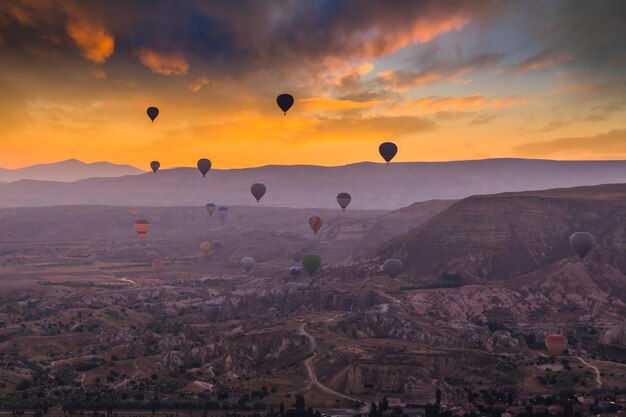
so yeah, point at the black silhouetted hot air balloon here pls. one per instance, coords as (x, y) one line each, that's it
(388, 150)
(210, 208)
(393, 267)
(204, 165)
(153, 112)
(258, 191)
(343, 199)
(155, 165)
(285, 101)
(311, 263)
(316, 223)
(582, 243)
(142, 226)
(556, 344)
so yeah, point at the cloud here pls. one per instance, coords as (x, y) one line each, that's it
(540, 61)
(95, 43)
(325, 104)
(437, 68)
(164, 63)
(611, 145)
(466, 103)
(199, 84)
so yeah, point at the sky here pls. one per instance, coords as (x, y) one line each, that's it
(443, 79)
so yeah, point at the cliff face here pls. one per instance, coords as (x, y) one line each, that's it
(507, 235)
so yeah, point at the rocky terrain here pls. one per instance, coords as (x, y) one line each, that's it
(84, 319)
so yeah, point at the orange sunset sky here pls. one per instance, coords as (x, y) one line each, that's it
(445, 80)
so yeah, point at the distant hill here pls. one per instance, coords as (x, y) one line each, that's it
(372, 185)
(70, 170)
(503, 236)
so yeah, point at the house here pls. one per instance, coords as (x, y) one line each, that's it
(212, 307)
(586, 399)
(555, 409)
(395, 402)
(539, 409)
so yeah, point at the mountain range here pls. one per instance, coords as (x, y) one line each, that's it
(65, 171)
(372, 185)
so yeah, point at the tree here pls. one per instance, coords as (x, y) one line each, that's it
(282, 409)
(373, 412)
(300, 406)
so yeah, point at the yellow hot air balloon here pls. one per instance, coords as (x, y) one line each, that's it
(206, 247)
(134, 212)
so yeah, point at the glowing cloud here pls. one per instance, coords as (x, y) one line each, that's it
(163, 63)
(94, 42)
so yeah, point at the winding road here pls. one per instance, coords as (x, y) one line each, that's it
(308, 363)
(596, 370)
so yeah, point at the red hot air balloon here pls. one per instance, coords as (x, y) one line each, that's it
(316, 223)
(142, 226)
(556, 344)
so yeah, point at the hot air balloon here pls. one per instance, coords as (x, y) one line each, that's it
(393, 267)
(388, 150)
(153, 112)
(204, 165)
(134, 212)
(296, 256)
(217, 246)
(210, 208)
(582, 243)
(222, 212)
(152, 255)
(344, 199)
(158, 265)
(285, 101)
(311, 262)
(155, 165)
(258, 191)
(315, 222)
(205, 247)
(142, 226)
(295, 271)
(247, 262)
(556, 344)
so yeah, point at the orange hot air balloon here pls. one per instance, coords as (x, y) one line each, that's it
(142, 226)
(556, 344)
(158, 265)
(206, 247)
(316, 223)
(134, 212)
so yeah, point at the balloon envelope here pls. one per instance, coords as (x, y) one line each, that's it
(285, 101)
(152, 255)
(134, 212)
(210, 208)
(247, 262)
(155, 165)
(158, 265)
(296, 256)
(295, 271)
(311, 263)
(344, 199)
(556, 344)
(258, 191)
(388, 150)
(316, 223)
(206, 247)
(222, 212)
(393, 267)
(204, 165)
(153, 112)
(582, 243)
(142, 226)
